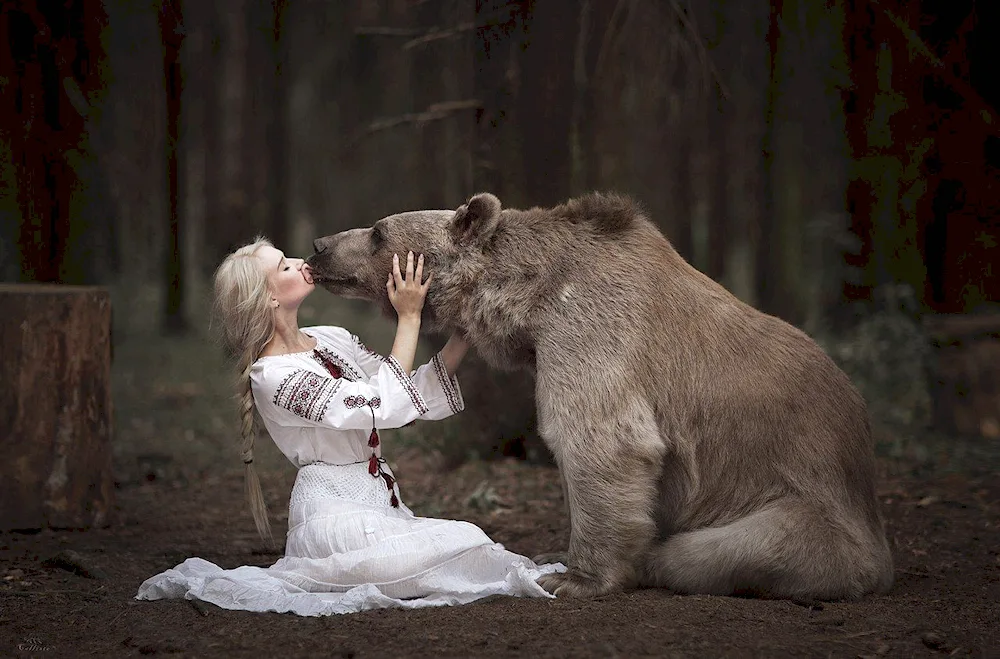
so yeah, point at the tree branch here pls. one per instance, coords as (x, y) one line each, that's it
(434, 112)
(388, 31)
(706, 59)
(986, 112)
(437, 34)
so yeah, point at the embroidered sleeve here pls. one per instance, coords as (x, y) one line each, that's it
(448, 384)
(369, 360)
(407, 384)
(297, 396)
(306, 394)
(439, 389)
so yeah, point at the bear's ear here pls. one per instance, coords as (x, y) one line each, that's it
(476, 220)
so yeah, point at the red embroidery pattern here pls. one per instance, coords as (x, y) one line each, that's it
(306, 394)
(335, 364)
(450, 392)
(326, 358)
(408, 386)
(365, 349)
(352, 402)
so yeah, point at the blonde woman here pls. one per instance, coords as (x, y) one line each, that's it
(352, 544)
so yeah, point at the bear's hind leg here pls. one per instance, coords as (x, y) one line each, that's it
(610, 490)
(789, 549)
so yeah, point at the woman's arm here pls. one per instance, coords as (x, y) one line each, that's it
(454, 352)
(407, 296)
(292, 396)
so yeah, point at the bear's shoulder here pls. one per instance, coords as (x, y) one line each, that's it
(607, 213)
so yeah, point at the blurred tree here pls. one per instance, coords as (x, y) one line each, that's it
(231, 225)
(499, 33)
(544, 100)
(171, 21)
(769, 294)
(277, 128)
(53, 67)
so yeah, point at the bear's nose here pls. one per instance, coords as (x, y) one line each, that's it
(318, 246)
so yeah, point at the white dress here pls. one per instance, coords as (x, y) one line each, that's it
(352, 544)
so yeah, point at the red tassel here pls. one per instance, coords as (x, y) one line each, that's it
(388, 480)
(373, 465)
(373, 438)
(394, 501)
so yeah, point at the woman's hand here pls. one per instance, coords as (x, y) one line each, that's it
(407, 293)
(407, 296)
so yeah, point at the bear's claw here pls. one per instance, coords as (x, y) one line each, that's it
(572, 584)
(551, 557)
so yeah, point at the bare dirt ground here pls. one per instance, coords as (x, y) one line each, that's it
(180, 494)
(946, 601)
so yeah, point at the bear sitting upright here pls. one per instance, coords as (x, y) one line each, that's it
(704, 446)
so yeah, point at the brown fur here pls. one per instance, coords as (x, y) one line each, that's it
(704, 446)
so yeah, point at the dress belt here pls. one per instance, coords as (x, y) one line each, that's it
(345, 464)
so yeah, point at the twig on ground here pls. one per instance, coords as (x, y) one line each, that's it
(71, 561)
(46, 593)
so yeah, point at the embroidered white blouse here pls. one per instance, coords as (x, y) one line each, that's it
(313, 416)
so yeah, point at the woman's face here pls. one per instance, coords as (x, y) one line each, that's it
(290, 279)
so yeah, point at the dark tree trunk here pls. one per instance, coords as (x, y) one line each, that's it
(213, 117)
(767, 266)
(277, 132)
(231, 224)
(172, 35)
(595, 22)
(502, 403)
(545, 101)
(430, 159)
(47, 48)
(499, 26)
(718, 211)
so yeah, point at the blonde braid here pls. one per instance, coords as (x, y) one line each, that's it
(248, 432)
(242, 303)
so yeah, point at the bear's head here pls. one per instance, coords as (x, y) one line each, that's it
(356, 263)
(502, 276)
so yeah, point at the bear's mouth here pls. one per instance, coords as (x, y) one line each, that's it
(335, 282)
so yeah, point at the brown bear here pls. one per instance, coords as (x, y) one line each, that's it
(704, 446)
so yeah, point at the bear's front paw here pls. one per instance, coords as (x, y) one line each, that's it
(573, 584)
(551, 557)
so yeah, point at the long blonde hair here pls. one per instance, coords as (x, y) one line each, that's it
(246, 323)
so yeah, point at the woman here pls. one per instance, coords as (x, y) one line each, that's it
(352, 544)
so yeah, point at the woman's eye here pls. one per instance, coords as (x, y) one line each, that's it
(288, 267)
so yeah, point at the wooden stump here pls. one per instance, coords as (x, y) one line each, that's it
(55, 407)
